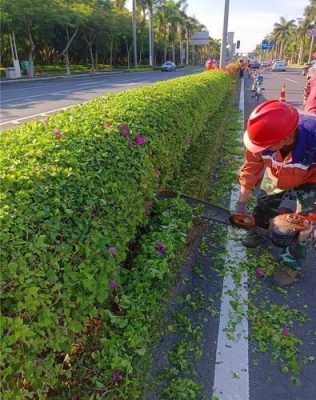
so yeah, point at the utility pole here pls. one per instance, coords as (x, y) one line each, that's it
(187, 46)
(224, 36)
(150, 33)
(134, 33)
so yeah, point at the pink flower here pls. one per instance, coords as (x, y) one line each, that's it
(117, 376)
(161, 248)
(260, 273)
(124, 130)
(113, 251)
(285, 331)
(57, 133)
(140, 139)
(114, 284)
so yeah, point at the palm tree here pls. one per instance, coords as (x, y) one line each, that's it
(302, 29)
(282, 31)
(310, 11)
(310, 15)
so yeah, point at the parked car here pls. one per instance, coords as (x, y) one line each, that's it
(168, 66)
(264, 64)
(254, 64)
(279, 66)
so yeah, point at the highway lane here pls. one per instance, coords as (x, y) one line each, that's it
(22, 101)
(294, 86)
(266, 379)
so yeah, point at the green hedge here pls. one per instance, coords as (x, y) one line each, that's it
(74, 194)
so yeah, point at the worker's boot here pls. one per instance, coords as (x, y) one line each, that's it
(286, 276)
(252, 240)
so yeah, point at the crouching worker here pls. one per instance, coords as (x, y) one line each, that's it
(280, 158)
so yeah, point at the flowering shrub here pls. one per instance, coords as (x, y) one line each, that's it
(74, 193)
(231, 69)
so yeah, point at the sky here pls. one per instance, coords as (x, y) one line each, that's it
(251, 20)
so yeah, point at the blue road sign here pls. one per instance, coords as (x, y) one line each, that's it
(266, 45)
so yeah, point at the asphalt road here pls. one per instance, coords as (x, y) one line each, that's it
(22, 101)
(294, 83)
(202, 283)
(266, 379)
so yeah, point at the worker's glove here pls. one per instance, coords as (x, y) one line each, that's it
(241, 207)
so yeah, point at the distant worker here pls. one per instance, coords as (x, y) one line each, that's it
(280, 158)
(310, 91)
(210, 64)
(242, 67)
(259, 78)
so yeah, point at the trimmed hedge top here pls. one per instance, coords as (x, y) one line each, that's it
(74, 193)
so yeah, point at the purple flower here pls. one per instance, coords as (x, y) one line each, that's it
(260, 273)
(57, 133)
(113, 251)
(160, 247)
(117, 376)
(285, 331)
(114, 284)
(124, 130)
(140, 139)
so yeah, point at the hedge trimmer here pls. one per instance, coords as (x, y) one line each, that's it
(283, 228)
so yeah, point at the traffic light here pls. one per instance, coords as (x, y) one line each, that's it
(238, 44)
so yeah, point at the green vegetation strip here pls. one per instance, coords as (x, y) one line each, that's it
(75, 194)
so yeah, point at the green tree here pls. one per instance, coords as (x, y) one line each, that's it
(282, 32)
(29, 17)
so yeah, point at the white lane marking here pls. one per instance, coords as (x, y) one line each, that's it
(72, 80)
(231, 381)
(93, 85)
(291, 80)
(42, 114)
(28, 97)
(61, 92)
(114, 86)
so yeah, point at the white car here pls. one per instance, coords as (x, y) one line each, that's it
(279, 66)
(168, 66)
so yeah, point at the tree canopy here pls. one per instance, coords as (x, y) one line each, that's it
(97, 31)
(292, 37)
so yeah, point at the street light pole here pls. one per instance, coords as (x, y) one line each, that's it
(134, 33)
(224, 36)
(150, 33)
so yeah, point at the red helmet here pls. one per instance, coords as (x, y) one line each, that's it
(270, 123)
